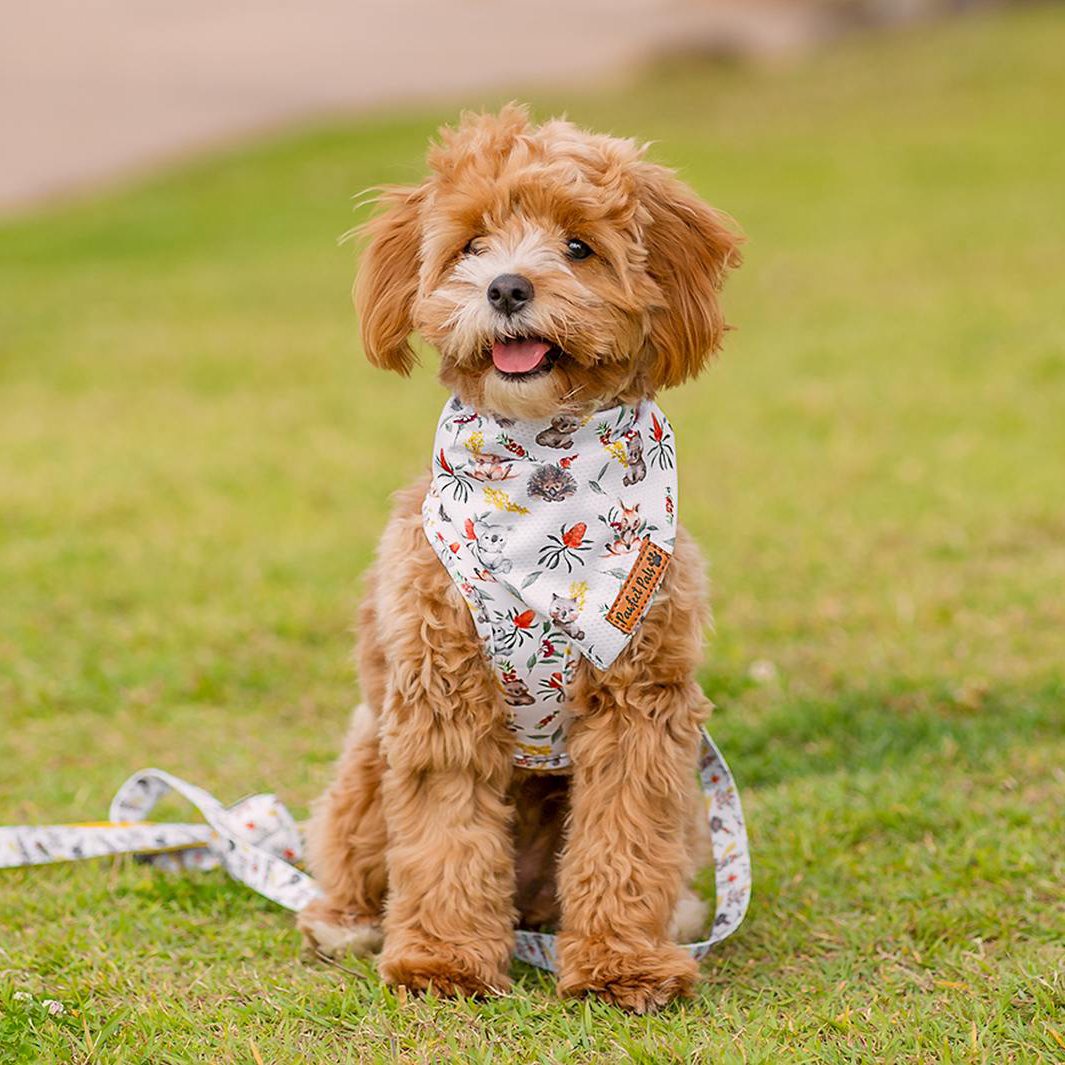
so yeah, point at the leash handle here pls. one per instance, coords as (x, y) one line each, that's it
(255, 840)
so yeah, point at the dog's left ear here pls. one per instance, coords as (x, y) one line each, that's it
(691, 247)
(387, 281)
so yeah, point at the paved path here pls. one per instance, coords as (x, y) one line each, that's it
(94, 89)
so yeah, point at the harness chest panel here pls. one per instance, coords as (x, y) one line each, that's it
(558, 534)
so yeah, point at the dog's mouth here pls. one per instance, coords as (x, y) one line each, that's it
(524, 357)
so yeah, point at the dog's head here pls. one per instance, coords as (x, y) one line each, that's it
(554, 270)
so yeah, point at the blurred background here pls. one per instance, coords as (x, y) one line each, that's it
(91, 91)
(195, 465)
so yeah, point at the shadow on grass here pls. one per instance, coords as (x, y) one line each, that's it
(878, 728)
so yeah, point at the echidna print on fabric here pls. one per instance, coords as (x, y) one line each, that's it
(557, 533)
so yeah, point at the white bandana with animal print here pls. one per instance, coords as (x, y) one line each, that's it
(557, 533)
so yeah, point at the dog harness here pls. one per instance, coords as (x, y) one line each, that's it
(557, 533)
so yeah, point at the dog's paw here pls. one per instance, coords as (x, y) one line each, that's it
(334, 932)
(639, 982)
(449, 971)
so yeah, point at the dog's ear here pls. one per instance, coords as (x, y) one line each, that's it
(690, 249)
(387, 282)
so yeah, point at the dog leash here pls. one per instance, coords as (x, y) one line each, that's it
(732, 863)
(257, 842)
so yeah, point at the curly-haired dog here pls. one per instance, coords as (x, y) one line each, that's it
(558, 274)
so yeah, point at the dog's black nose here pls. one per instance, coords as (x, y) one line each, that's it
(510, 292)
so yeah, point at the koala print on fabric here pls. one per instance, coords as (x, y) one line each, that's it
(559, 433)
(543, 527)
(564, 613)
(637, 470)
(489, 542)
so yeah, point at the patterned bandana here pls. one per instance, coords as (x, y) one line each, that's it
(557, 533)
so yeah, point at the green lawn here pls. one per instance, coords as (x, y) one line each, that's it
(195, 464)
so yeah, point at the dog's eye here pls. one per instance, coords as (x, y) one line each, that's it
(472, 247)
(577, 249)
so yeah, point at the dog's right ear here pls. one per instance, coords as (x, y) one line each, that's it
(387, 281)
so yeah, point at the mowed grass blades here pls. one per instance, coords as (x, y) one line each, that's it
(195, 465)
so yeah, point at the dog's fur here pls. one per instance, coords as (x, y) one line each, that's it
(429, 839)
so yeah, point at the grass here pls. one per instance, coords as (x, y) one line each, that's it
(194, 466)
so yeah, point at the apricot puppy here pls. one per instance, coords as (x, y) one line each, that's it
(527, 743)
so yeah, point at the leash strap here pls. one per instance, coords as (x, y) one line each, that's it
(256, 841)
(732, 863)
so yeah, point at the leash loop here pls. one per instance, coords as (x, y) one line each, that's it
(254, 840)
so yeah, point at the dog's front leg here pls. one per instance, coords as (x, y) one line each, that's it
(450, 915)
(634, 748)
(346, 850)
(449, 918)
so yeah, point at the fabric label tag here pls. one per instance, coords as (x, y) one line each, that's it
(640, 585)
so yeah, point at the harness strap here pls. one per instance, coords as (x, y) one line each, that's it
(257, 841)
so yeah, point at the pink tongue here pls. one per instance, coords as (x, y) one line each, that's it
(519, 356)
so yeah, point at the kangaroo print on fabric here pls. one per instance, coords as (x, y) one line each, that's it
(557, 534)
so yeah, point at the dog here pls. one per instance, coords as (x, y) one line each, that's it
(557, 273)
